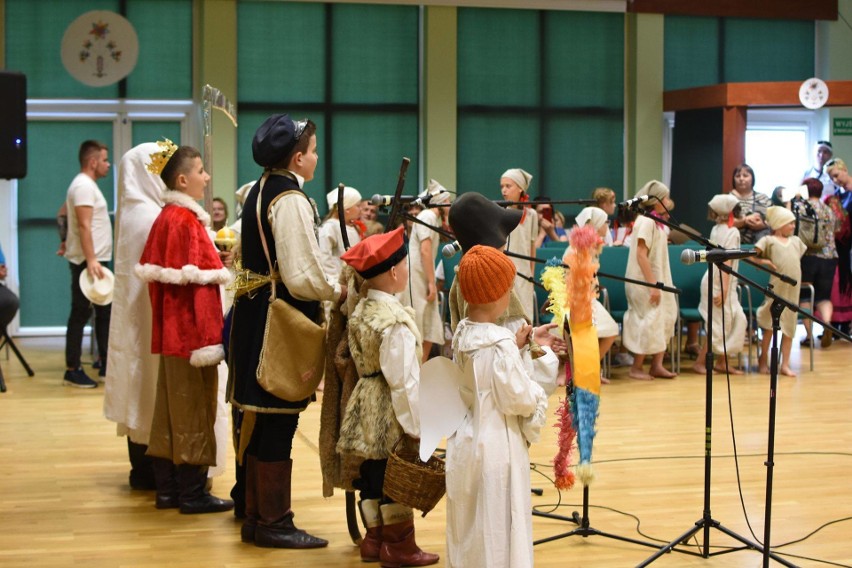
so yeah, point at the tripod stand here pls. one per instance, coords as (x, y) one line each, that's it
(7, 340)
(707, 522)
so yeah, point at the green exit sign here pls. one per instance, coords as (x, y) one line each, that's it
(842, 127)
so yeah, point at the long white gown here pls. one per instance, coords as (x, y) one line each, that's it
(732, 335)
(427, 315)
(489, 515)
(647, 329)
(131, 376)
(521, 241)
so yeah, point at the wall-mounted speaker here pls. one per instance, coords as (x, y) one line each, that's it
(13, 125)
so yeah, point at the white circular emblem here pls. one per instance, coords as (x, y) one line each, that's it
(813, 93)
(100, 48)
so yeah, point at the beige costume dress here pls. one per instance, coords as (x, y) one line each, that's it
(427, 316)
(787, 259)
(521, 241)
(647, 329)
(731, 337)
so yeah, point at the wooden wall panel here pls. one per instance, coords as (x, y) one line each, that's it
(781, 9)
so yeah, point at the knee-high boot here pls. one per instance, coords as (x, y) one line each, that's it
(275, 528)
(141, 467)
(165, 476)
(250, 499)
(194, 497)
(398, 545)
(371, 544)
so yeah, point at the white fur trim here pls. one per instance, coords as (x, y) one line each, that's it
(189, 274)
(185, 201)
(207, 356)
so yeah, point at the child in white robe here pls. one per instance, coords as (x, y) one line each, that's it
(651, 313)
(727, 340)
(782, 251)
(489, 515)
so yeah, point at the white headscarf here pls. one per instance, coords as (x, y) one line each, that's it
(653, 188)
(440, 194)
(351, 197)
(591, 215)
(723, 203)
(519, 176)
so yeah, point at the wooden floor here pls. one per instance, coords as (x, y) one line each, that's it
(64, 498)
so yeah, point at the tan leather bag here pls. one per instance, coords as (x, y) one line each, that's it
(292, 359)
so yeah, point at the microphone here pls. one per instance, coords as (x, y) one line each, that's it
(634, 201)
(450, 249)
(690, 256)
(387, 200)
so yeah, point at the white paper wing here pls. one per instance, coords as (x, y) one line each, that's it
(441, 406)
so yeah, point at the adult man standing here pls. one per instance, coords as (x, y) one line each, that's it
(88, 248)
(823, 154)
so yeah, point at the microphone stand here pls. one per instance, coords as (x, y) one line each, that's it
(707, 522)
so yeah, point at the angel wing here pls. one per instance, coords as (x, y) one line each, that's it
(442, 407)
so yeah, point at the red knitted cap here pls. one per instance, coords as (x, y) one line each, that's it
(485, 275)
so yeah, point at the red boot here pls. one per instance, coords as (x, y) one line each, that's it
(371, 544)
(398, 545)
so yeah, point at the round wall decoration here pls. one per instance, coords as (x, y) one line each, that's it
(100, 48)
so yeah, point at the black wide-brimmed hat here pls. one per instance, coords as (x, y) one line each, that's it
(476, 220)
(275, 139)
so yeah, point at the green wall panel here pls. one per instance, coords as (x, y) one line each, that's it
(769, 50)
(374, 53)
(368, 150)
(691, 52)
(498, 55)
(489, 145)
(271, 67)
(584, 59)
(151, 131)
(164, 68)
(34, 33)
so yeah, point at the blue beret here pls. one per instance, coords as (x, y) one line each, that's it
(274, 140)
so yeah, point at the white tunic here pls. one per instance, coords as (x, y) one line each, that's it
(522, 241)
(489, 516)
(786, 256)
(427, 315)
(131, 376)
(647, 329)
(331, 246)
(732, 335)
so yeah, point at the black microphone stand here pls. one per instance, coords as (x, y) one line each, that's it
(707, 522)
(583, 523)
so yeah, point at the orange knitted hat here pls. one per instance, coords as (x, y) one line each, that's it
(485, 275)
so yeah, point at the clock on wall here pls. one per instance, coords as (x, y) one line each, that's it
(813, 93)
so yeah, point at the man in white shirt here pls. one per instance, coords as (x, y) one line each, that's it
(88, 247)
(822, 155)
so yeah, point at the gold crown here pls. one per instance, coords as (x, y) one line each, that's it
(160, 158)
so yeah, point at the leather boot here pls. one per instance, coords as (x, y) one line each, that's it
(371, 544)
(165, 476)
(275, 528)
(398, 545)
(250, 499)
(141, 467)
(194, 498)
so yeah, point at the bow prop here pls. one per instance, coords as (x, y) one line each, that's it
(211, 98)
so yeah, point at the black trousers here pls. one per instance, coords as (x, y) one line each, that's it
(81, 311)
(272, 437)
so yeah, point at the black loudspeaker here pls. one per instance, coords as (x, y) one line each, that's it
(13, 125)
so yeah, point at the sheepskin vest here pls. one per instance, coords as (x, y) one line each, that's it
(366, 325)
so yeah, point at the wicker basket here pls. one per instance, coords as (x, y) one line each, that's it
(411, 482)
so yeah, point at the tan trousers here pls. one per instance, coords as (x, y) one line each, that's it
(184, 413)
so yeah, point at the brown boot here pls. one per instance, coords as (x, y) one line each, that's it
(398, 545)
(194, 498)
(275, 528)
(371, 544)
(250, 524)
